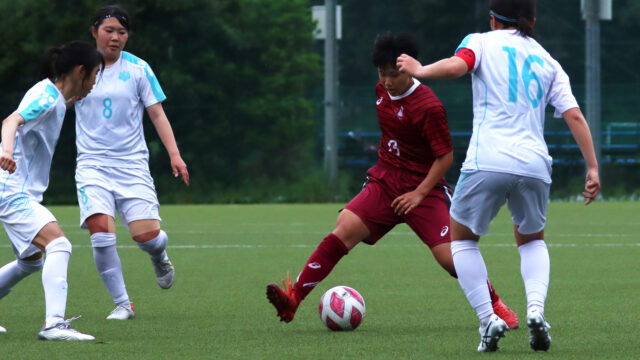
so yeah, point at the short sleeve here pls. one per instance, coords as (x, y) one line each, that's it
(560, 95)
(37, 102)
(472, 42)
(436, 131)
(149, 87)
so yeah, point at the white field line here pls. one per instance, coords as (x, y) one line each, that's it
(309, 246)
(330, 221)
(174, 229)
(550, 234)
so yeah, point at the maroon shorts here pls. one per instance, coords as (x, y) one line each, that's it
(429, 220)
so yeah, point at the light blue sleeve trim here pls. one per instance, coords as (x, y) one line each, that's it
(463, 44)
(484, 117)
(40, 104)
(151, 77)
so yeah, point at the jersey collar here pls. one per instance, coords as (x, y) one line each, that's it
(415, 85)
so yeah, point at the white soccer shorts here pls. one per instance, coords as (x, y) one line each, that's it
(23, 218)
(105, 190)
(479, 195)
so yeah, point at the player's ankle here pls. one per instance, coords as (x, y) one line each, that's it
(296, 297)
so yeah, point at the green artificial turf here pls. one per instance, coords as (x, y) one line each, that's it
(225, 255)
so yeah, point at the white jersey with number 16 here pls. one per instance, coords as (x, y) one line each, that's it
(513, 80)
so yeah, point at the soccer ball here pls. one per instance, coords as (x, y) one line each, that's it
(341, 308)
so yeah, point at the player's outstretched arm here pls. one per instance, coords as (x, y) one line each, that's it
(449, 68)
(580, 130)
(9, 128)
(163, 127)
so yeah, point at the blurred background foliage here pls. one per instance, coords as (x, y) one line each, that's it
(244, 85)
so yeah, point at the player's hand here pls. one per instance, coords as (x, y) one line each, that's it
(592, 186)
(406, 63)
(404, 203)
(7, 163)
(179, 168)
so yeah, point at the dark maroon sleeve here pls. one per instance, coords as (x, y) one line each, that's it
(436, 131)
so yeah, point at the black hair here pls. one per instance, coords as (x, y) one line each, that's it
(112, 11)
(58, 61)
(515, 13)
(388, 47)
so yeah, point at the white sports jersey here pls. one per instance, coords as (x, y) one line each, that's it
(109, 120)
(513, 80)
(43, 108)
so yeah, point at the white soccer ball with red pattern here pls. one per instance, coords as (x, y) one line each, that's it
(341, 308)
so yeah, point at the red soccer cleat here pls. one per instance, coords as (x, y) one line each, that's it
(284, 301)
(505, 314)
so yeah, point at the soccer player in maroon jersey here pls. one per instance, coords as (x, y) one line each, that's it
(407, 184)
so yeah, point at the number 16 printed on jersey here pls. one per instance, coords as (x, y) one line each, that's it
(528, 75)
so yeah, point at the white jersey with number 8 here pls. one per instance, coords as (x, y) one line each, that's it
(513, 80)
(109, 128)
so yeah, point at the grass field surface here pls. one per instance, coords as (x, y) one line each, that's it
(225, 255)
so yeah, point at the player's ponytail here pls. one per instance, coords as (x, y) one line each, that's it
(49, 59)
(525, 26)
(518, 14)
(59, 61)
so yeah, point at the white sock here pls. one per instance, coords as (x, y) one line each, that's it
(13, 272)
(108, 264)
(535, 267)
(156, 246)
(54, 279)
(472, 276)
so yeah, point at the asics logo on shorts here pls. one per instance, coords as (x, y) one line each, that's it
(444, 231)
(315, 265)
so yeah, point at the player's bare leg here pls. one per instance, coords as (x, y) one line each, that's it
(348, 232)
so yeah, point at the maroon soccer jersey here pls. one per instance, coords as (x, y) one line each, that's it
(414, 129)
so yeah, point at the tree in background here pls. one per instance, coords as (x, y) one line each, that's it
(243, 77)
(236, 74)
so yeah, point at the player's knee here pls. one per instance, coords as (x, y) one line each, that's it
(147, 236)
(34, 257)
(30, 266)
(155, 245)
(60, 244)
(98, 223)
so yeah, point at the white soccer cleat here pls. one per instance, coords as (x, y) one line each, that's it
(539, 337)
(2, 330)
(165, 272)
(63, 331)
(491, 333)
(122, 312)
